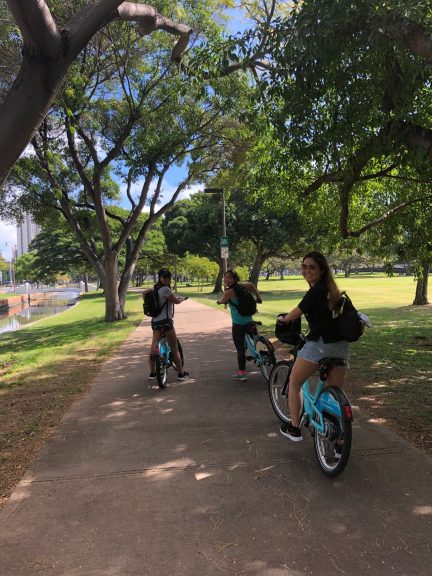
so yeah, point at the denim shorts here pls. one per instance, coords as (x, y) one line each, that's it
(314, 351)
(167, 324)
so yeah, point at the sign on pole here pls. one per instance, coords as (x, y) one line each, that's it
(224, 251)
(224, 241)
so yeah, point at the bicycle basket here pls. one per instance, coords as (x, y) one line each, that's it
(289, 333)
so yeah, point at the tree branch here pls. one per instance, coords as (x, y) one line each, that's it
(384, 217)
(37, 26)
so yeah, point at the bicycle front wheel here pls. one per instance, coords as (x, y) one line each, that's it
(161, 370)
(278, 389)
(333, 444)
(267, 358)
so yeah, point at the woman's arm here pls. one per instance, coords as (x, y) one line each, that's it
(293, 315)
(176, 299)
(227, 296)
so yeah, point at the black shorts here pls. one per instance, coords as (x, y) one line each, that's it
(167, 323)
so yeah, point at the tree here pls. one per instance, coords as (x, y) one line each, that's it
(4, 268)
(121, 118)
(56, 251)
(272, 232)
(49, 47)
(407, 239)
(25, 269)
(194, 226)
(199, 268)
(350, 103)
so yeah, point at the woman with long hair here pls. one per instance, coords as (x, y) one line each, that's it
(241, 325)
(319, 305)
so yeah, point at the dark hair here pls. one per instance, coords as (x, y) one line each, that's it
(164, 272)
(327, 276)
(235, 276)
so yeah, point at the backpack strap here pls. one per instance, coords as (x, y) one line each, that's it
(234, 287)
(165, 304)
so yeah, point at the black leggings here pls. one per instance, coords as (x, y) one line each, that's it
(238, 335)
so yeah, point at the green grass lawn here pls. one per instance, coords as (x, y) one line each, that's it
(47, 345)
(5, 295)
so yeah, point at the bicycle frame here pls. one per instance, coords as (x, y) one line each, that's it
(251, 345)
(315, 403)
(162, 347)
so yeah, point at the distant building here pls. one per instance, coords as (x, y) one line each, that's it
(26, 231)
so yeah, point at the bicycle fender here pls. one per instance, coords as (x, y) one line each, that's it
(335, 402)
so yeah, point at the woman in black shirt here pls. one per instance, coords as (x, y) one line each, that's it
(323, 340)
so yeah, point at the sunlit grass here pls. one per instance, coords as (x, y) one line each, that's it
(43, 348)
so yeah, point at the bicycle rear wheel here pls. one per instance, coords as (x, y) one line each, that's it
(161, 370)
(333, 445)
(267, 358)
(278, 389)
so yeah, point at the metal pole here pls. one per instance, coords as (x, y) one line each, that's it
(222, 192)
(225, 260)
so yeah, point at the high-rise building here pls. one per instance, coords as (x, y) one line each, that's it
(26, 231)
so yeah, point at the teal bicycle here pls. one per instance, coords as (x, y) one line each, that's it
(260, 350)
(162, 357)
(327, 412)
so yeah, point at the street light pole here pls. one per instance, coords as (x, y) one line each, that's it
(224, 247)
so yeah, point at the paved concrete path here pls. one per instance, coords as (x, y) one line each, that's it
(196, 480)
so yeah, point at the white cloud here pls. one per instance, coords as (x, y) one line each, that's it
(8, 237)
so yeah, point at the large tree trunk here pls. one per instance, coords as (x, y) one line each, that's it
(113, 308)
(421, 295)
(218, 284)
(256, 268)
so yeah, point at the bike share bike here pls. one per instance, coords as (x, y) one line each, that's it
(162, 357)
(327, 412)
(260, 350)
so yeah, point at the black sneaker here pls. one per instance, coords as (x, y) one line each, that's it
(152, 376)
(182, 375)
(291, 432)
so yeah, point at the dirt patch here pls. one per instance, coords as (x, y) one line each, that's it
(30, 412)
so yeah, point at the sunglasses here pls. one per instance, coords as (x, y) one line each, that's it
(309, 266)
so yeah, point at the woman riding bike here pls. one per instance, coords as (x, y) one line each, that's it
(167, 299)
(241, 324)
(322, 341)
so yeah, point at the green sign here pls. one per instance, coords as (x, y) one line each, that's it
(224, 241)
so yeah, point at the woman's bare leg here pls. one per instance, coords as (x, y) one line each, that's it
(171, 337)
(337, 377)
(300, 372)
(152, 347)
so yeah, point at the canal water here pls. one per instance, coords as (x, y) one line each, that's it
(53, 303)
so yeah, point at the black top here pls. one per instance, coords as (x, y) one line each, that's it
(315, 307)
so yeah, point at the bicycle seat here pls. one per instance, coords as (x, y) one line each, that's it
(330, 362)
(163, 327)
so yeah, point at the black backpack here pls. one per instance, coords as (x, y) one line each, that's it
(349, 324)
(247, 304)
(151, 303)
